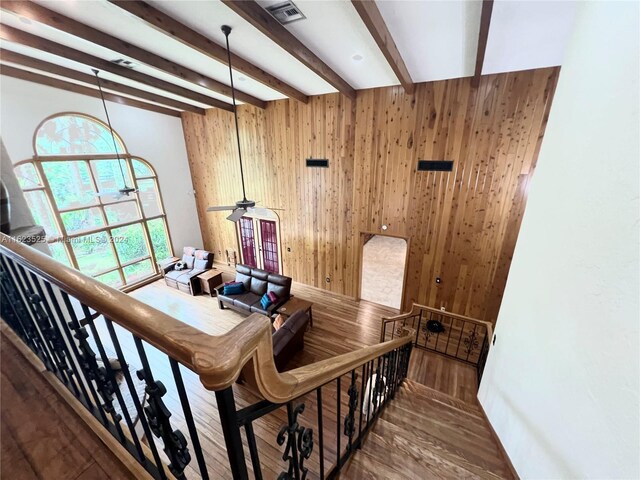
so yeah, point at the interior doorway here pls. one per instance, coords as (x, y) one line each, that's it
(383, 270)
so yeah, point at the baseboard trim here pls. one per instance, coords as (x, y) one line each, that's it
(499, 443)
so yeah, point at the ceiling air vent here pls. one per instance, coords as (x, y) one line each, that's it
(124, 63)
(285, 12)
(317, 162)
(435, 165)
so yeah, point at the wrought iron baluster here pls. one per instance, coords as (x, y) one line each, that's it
(349, 419)
(471, 343)
(320, 432)
(137, 403)
(388, 374)
(374, 387)
(11, 297)
(158, 415)
(394, 370)
(418, 331)
(446, 348)
(338, 417)
(85, 357)
(98, 374)
(361, 402)
(299, 444)
(188, 415)
(231, 432)
(72, 349)
(48, 327)
(30, 321)
(253, 450)
(437, 334)
(459, 338)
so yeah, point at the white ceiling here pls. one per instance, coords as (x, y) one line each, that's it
(437, 40)
(528, 35)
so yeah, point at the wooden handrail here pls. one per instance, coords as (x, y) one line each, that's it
(218, 360)
(415, 310)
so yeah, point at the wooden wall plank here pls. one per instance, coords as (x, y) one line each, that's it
(462, 225)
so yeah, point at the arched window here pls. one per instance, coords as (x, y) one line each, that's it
(116, 239)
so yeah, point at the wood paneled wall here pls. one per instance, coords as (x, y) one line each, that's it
(461, 225)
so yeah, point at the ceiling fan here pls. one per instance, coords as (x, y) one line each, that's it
(241, 206)
(125, 191)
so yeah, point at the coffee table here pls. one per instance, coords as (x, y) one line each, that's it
(209, 280)
(293, 305)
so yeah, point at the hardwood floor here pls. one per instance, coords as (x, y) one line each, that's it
(426, 434)
(41, 437)
(340, 325)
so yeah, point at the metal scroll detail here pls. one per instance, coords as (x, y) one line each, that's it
(158, 415)
(299, 445)
(349, 419)
(471, 342)
(94, 372)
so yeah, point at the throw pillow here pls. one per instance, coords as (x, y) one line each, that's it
(273, 297)
(179, 266)
(278, 322)
(233, 289)
(188, 261)
(265, 302)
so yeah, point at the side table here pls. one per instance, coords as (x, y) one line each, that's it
(209, 280)
(293, 305)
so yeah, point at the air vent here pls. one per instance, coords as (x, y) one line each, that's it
(124, 63)
(317, 162)
(285, 12)
(435, 165)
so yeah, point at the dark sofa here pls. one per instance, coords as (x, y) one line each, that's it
(256, 283)
(289, 338)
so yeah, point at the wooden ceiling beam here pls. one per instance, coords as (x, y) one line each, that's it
(269, 26)
(372, 18)
(47, 67)
(178, 31)
(485, 22)
(15, 35)
(53, 19)
(82, 90)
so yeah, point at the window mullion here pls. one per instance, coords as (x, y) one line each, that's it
(56, 213)
(147, 235)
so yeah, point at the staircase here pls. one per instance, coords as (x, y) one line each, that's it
(424, 433)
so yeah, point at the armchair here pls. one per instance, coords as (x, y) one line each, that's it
(195, 262)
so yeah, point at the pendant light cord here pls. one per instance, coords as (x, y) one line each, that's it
(227, 30)
(113, 137)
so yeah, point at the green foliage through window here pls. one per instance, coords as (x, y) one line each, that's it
(70, 207)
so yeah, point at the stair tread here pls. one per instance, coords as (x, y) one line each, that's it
(427, 393)
(423, 433)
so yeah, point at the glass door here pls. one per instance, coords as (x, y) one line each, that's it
(247, 242)
(269, 246)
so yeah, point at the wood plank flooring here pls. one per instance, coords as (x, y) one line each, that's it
(41, 437)
(340, 325)
(426, 434)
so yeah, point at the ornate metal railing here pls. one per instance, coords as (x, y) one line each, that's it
(463, 338)
(112, 352)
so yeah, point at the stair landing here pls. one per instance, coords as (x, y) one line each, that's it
(424, 433)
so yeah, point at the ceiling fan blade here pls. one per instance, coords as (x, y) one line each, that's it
(237, 215)
(221, 208)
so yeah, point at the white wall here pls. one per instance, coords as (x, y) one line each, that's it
(561, 383)
(155, 137)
